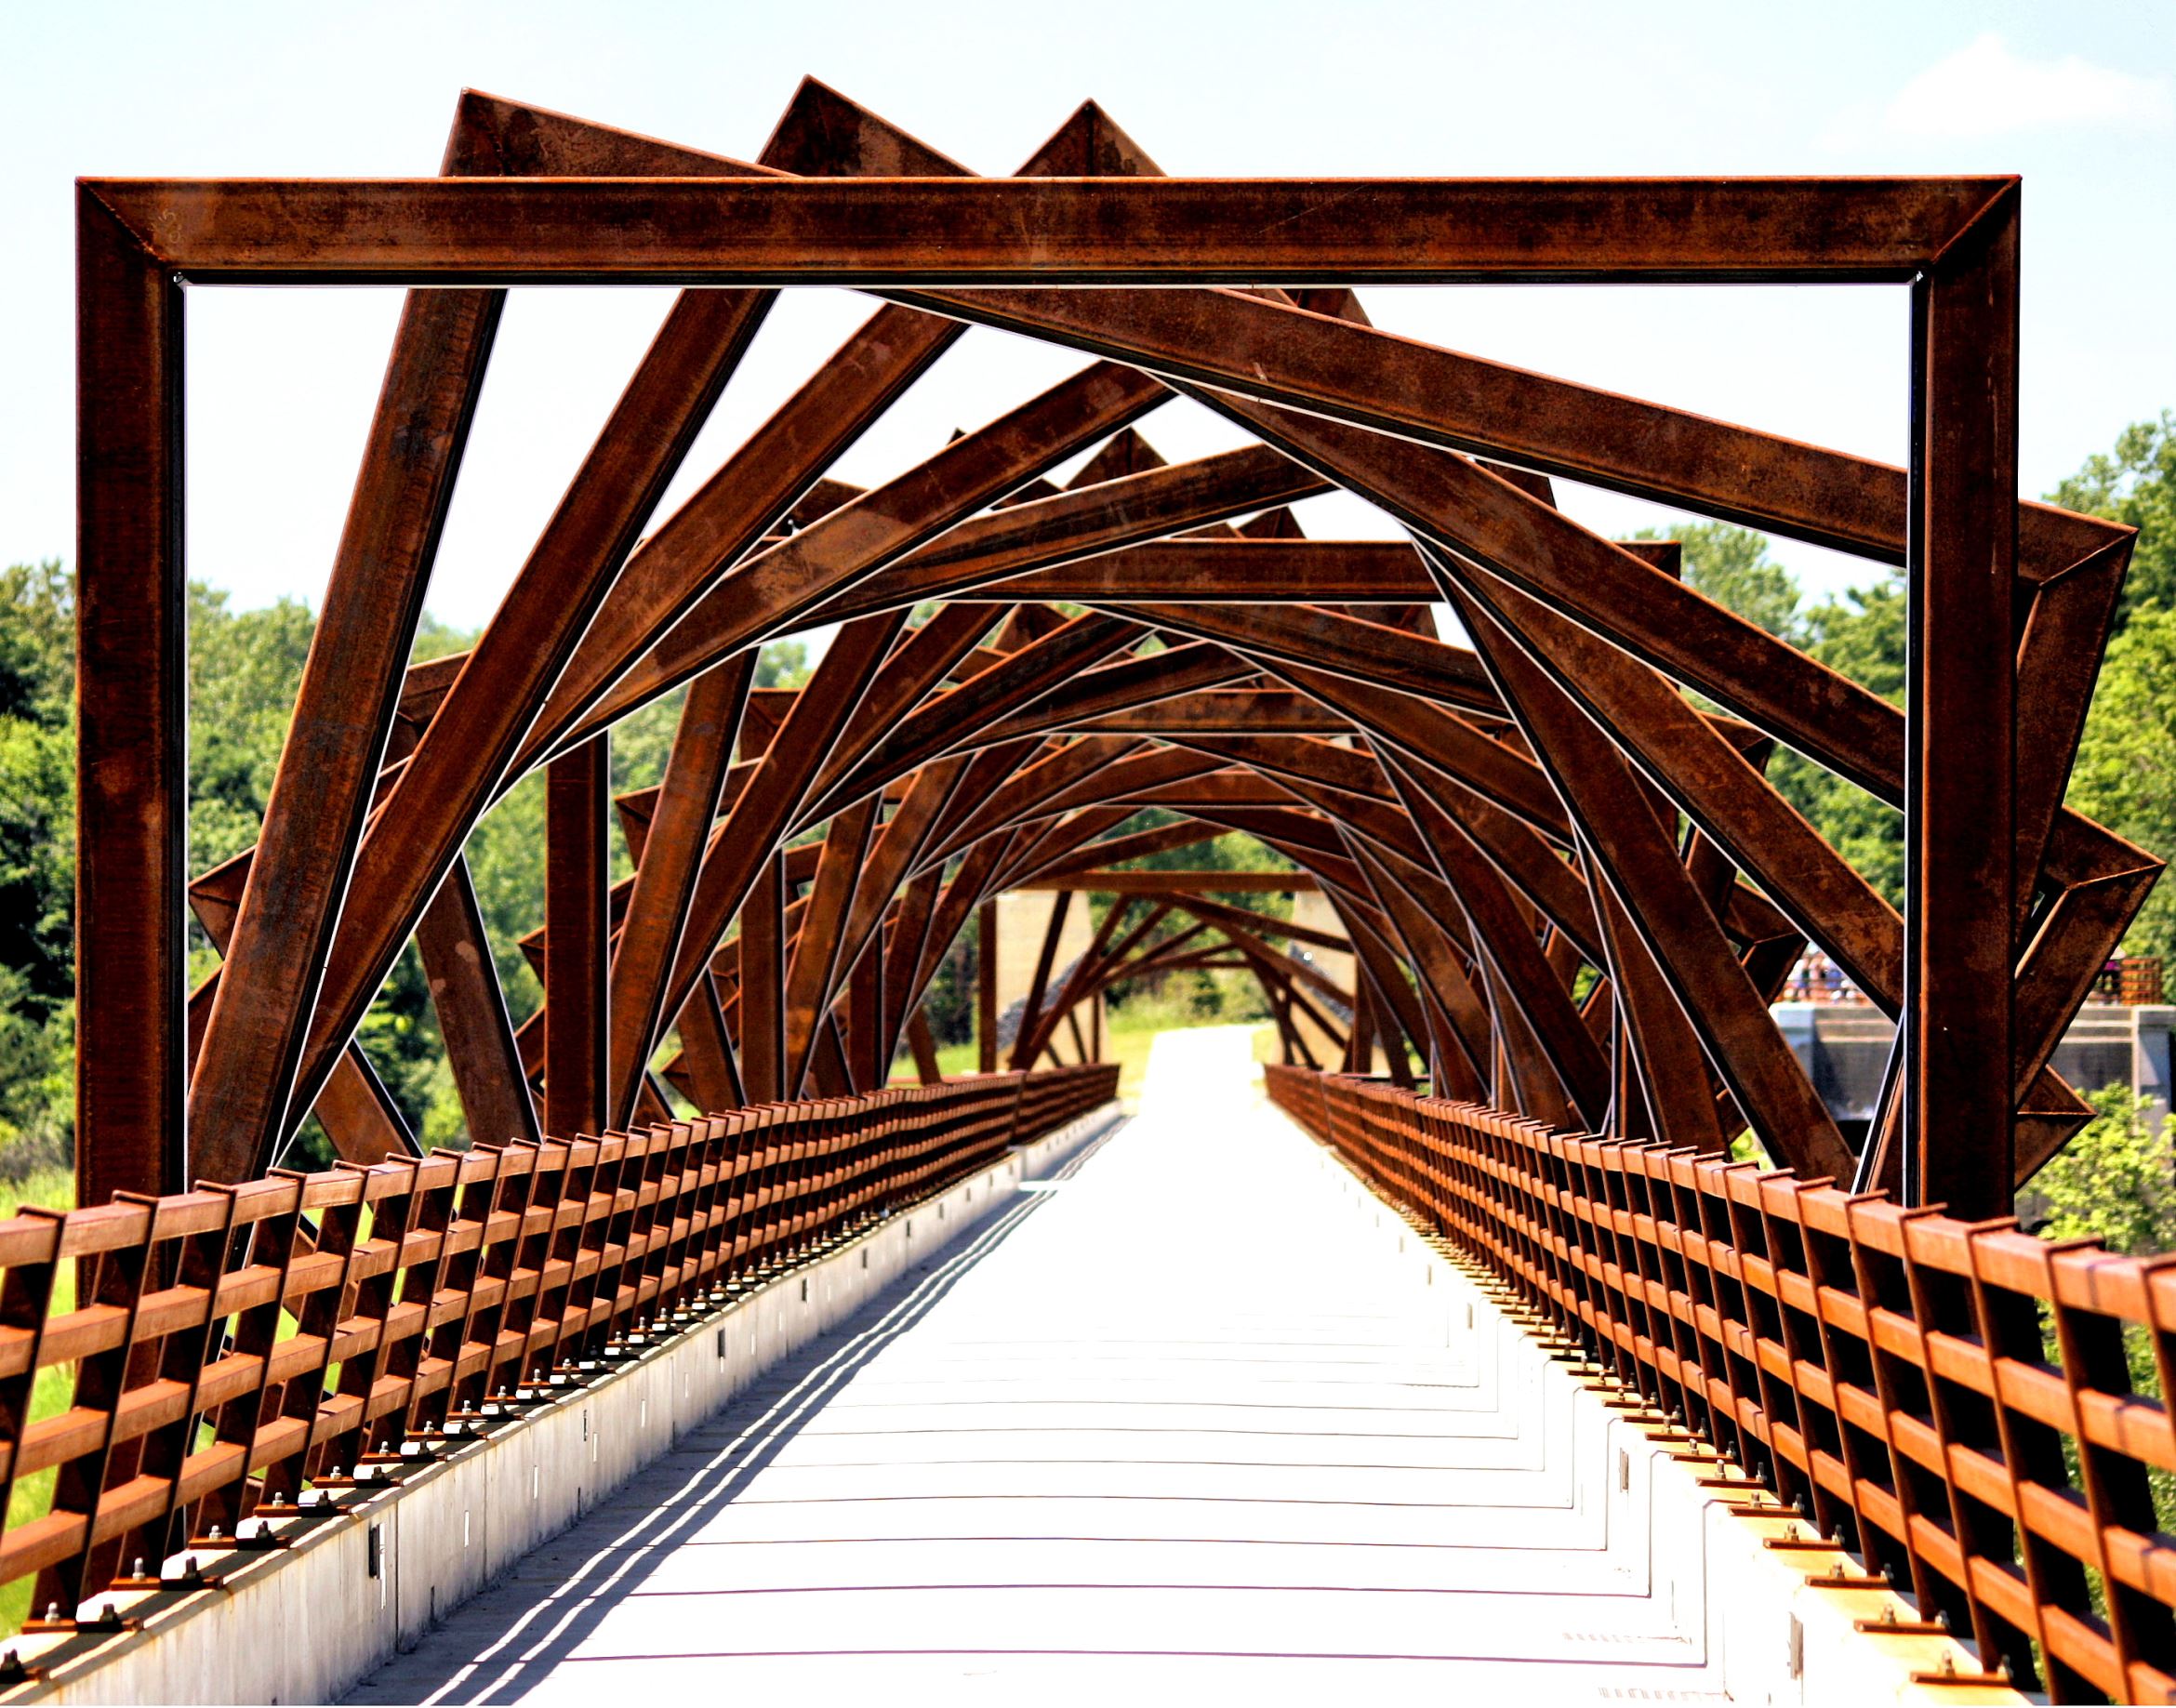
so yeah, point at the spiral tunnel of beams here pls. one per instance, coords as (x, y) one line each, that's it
(1567, 885)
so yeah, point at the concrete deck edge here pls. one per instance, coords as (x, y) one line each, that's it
(1785, 1622)
(308, 1621)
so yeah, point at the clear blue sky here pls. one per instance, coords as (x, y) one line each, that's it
(2079, 98)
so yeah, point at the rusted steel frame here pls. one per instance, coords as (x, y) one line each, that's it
(356, 1111)
(1284, 998)
(1960, 782)
(670, 572)
(865, 1024)
(1254, 945)
(1441, 739)
(1660, 1043)
(1236, 711)
(917, 665)
(892, 856)
(1031, 1012)
(938, 725)
(456, 766)
(1504, 938)
(472, 1018)
(1709, 781)
(2063, 636)
(915, 956)
(988, 775)
(1049, 842)
(985, 987)
(1349, 770)
(808, 986)
(1630, 850)
(338, 732)
(761, 482)
(1465, 984)
(1380, 972)
(769, 805)
(909, 935)
(1331, 641)
(676, 569)
(1032, 553)
(1118, 687)
(1660, 621)
(998, 232)
(577, 974)
(1078, 868)
(1152, 882)
(670, 857)
(1237, 922)
(1552, 885)
(1243, 571)
(1232, 789)
(714, 1071)
(1061, 778)
(1075, 987)
(1253, 344)
(782, 588)
(923, 1044)
(1461, 508)
(132, 744)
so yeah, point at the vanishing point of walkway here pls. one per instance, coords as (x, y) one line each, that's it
(1194, 1414)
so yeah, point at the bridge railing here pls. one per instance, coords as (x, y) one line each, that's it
(237, 1346)
(1975, 1411)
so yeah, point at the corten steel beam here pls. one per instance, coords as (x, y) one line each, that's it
(329, 763)
(456, 767)
(355, 1109)
(1175, 882)
(1960, 770)
(784, 585)
(1096, 231)
(762, 976)
(577, 974)
(472, 1018)
(1001, 557)
(1633, 854)
(816, 957)
(669, 858)
(985, 987)
(1032, 1010)
(132, 741)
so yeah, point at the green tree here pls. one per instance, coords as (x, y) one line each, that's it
(2125, 775)
(2135, 484)
(782, 664)
(38, 868)
(2116, 1179)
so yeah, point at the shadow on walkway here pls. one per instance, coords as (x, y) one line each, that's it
(628, 1545)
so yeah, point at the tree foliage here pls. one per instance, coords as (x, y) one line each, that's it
(2135, 484)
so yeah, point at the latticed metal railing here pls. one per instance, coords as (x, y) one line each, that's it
(237, 1344)
(1973, 1410)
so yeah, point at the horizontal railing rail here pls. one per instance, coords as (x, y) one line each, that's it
(1972, 1410)
(236, 1345)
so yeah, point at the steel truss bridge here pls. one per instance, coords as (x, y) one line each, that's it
(1564, 883)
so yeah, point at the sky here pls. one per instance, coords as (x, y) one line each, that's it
(2079, 98)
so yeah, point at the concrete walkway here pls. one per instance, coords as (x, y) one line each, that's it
(1195, 1416)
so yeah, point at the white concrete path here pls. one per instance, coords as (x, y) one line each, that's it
(1190, 1417)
